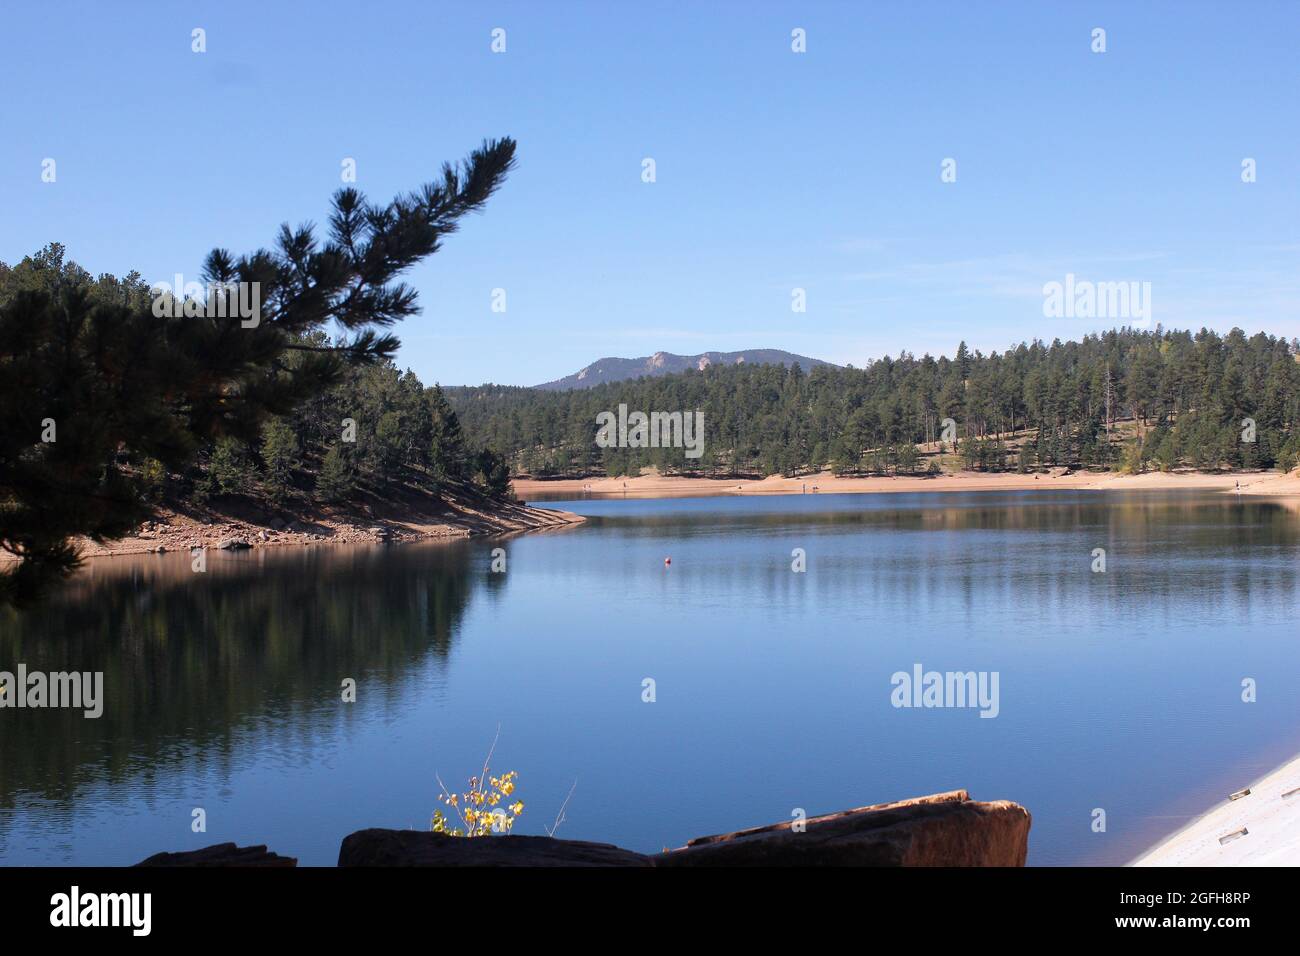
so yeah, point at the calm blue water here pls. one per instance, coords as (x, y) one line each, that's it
(1119, 691)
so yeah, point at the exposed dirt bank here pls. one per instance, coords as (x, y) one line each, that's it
(239, 524)
(656, 486)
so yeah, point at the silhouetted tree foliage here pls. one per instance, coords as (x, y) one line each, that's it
(95, 384)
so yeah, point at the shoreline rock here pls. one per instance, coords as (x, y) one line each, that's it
(943, 829)
(173, 533)
(221, 854)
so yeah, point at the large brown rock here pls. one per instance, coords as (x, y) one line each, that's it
(944, 829)
(424, 848)
(221, 854)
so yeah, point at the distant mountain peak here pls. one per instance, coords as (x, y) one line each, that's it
(666, 363)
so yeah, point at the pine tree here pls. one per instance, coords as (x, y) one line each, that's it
(447, 445)
(335, 481)
(229, 467)
(384, 449)
(279, 458)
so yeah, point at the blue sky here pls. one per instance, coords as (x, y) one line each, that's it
(775, 170)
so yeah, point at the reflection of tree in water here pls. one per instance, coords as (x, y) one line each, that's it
(260, 644)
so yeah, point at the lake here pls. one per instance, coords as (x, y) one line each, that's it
(1119, 690)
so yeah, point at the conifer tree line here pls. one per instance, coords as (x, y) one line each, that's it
(1126, 399)
(376, 433)
(369, 429)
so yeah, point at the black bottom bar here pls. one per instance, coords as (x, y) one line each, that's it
(341, 905)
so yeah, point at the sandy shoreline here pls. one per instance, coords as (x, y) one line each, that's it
(1270, 818)
(1269, 483)
(169, 531)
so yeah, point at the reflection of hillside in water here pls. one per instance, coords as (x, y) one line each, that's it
(1164, 551)
(259, 643)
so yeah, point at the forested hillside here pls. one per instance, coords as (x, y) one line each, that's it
(373, 429)
(87, 368)
(376, 431)
(1168, 399)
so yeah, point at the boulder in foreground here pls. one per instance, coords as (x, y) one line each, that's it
(944, 829)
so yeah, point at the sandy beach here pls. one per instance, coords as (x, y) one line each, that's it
(1269, 816)
(1270, 483)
